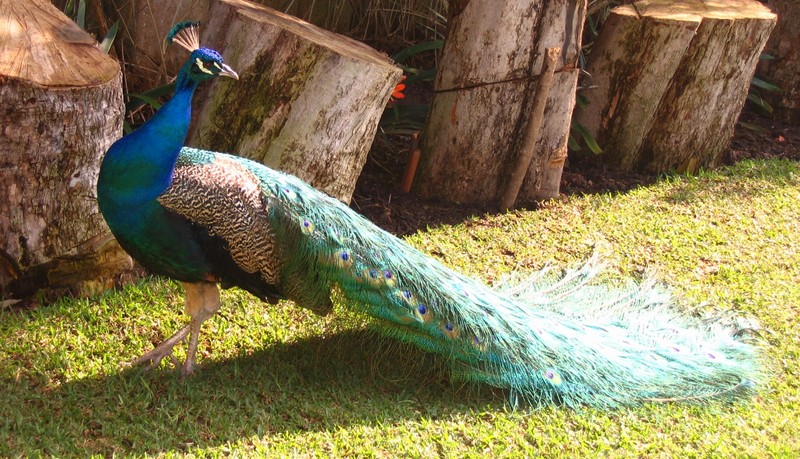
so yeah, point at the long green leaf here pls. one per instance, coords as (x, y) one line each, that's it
(69, 8)
(758, 100)
(581, 101)
(765, 85)
(752, 127)
(146, 99)
(573, 144)
(137, 100)
(404, 119)
(81, 18)
(418, 48)
(587, 138)
(105, 45)
(415, 75)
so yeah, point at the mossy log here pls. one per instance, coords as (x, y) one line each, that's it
(491, 62)
(147, 58)
(669, 80)
(308, 100)
(62, 108)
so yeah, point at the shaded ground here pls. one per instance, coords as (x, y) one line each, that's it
(379, 198)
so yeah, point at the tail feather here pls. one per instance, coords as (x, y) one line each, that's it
(547, 338)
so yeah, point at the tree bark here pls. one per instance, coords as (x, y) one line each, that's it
(784, 70)
(308, 101)
(62, 108)
(670, 79)
(482, 96)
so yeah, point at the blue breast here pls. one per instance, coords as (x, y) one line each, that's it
(136, 170)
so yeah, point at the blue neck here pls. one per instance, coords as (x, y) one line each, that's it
(138, 167)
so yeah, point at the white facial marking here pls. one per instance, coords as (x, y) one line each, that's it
(202, 67)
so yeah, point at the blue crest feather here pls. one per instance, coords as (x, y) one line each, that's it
(185, 34)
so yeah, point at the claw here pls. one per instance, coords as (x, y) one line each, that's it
(153, 358)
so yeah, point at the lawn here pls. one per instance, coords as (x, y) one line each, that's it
(279, 381)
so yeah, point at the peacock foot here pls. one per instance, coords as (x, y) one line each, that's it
(153, 358)
(187, 368)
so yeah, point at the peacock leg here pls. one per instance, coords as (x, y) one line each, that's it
(202, 301)
(191, 352)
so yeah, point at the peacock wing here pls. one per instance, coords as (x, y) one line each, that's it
(219, 194)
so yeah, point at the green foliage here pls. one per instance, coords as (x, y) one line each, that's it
(405, 119)
(108, 40)
(755, 96)
(757, 85)
(596, 15)
(147, 100)
(578, 132)
(385, 24)
(597, 11)
(278, 381)
(417, 74)
(77, 12)
(587, 137)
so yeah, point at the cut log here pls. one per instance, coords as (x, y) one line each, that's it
(62, 108)
(669, 80)
(148, 62)
(308, 101)
(483, 93)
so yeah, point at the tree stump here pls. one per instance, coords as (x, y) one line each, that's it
(148, 62)
(486, 83)
(308, 101)
(784, 70)
(62, 108)
(670, 80)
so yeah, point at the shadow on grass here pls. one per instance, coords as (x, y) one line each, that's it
(315, 384)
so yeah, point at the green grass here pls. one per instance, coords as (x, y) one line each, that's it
(279, 381)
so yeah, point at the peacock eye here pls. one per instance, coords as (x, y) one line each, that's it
(203, 66)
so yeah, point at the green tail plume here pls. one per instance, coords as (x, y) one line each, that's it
(547, 338)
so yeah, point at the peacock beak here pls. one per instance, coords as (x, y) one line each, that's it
(228, 72)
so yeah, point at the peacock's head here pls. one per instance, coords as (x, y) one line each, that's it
(203, 63)
(206, 63)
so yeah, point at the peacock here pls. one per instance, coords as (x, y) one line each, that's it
(211, 219)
